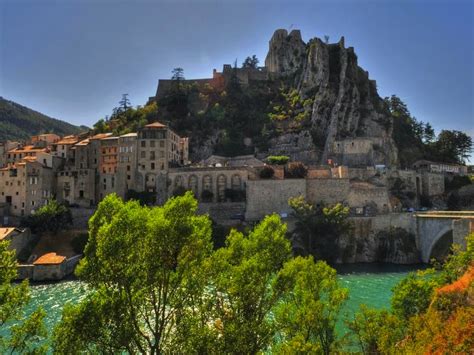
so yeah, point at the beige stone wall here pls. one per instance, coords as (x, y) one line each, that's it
(360, 196)
(271, 196)
(328, 191)
(433, 183)
(77, 186)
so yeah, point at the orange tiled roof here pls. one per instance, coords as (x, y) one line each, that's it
(29, 158)
(49, 259)
(101, 136)
(155, 125)
(67, 140)
(4, 232)
(83, 142)
(27, 149)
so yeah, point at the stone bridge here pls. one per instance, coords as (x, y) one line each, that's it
(437, 230)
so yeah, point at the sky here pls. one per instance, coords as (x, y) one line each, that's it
(73, 59)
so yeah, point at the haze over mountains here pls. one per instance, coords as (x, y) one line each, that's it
(19, 122)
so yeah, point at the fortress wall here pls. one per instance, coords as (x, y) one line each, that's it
(329, 191)
(363, 196)
(433, 183)
(271, 196)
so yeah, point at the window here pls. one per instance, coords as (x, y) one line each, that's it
(152, 155)
(152, 144)
(142, 154)
(143, 144)
(162, 144)
(128, 177)
(128, 167)
(81, 193)
(152, 166)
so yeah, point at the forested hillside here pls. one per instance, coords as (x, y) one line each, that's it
(18, 122)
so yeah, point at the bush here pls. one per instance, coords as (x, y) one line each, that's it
(278, 159)
(296, 171)
(454, 202)
(207, 196)
(267, 172)
(50, 218)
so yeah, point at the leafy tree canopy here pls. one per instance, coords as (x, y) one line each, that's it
(18, 333)
(51, 217)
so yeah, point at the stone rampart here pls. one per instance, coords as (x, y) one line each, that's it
(265, 197)
(328, 191)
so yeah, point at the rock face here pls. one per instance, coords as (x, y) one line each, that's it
(346, 104)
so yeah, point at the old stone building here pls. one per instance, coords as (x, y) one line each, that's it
(158, 149)
(127, 163)
(26, 186)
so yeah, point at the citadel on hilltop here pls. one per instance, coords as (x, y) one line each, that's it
(345, 149)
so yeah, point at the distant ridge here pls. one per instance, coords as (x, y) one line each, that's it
(18, 122)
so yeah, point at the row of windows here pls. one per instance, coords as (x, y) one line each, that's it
(152, 144)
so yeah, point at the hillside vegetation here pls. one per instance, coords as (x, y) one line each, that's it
(18, 122)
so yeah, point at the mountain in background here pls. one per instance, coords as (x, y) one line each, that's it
(18, 122)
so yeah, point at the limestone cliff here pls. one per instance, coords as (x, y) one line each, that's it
(346, 103)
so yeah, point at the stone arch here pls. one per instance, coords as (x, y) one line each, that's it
(443, 233)
(221, 187)
(236, 182)
(178, 181)
(441, 245)
(207, 183)
(193, 183)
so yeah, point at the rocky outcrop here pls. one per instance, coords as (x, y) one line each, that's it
(346, 103)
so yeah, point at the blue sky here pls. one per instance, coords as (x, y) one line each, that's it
(72, 59)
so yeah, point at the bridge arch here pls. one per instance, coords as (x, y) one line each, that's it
(440, 244)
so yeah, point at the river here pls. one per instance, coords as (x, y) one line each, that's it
(369, 284)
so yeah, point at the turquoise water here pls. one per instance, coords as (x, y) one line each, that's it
(369, 284)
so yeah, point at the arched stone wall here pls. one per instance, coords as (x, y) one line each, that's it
(221, 186)
(236, 182)
(193, 184)
(178, 181)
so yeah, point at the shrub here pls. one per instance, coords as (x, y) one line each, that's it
(49, 218)
(296, 171)
(267, 172)
(278, 159)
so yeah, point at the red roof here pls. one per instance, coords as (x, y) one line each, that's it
(155, 125)
(49, 259)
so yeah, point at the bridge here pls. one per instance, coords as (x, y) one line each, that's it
(437, 230)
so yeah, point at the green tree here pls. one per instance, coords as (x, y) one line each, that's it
(413, 294)
(143, 266)
(453, 146)
(307, 314)
(18, 333)
(318, 228)
(124, 103)
(51, 217)
(376, 331)
(241, 289)
(250, 62)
